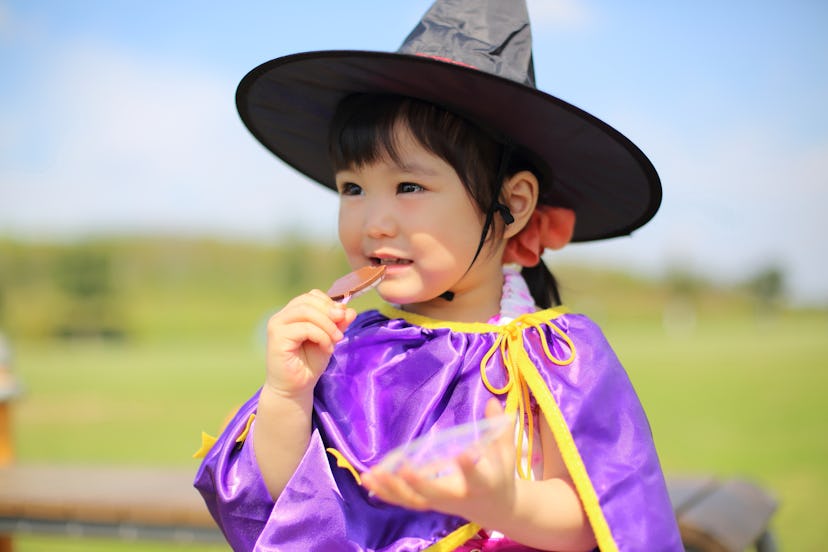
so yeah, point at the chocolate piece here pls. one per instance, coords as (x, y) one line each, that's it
(356, 282)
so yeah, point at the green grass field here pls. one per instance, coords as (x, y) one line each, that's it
(735, 393)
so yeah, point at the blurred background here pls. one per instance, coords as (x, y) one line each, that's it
(145, 236)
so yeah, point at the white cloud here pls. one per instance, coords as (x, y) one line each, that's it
(141, 144)
(736, 200)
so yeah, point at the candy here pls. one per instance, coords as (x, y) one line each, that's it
(356, 283)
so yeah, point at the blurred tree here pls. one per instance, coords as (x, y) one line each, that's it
(302, 265)
(683, 283)
(680, 313)
(768, 287)
(4, 278)
(84, 275)
(294, 273)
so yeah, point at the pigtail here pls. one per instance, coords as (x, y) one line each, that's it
(542, 285)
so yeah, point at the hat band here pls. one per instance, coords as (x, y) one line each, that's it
(446, 60)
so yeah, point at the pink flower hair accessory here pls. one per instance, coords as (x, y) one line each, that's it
(548, 228)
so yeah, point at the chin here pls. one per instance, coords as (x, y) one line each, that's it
(398, 293)
(400, 298)
(395, 299)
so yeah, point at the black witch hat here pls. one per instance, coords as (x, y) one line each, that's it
(473, 58)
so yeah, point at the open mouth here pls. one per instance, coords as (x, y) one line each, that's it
(389, 261)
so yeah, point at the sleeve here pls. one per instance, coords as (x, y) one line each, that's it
(231, 484)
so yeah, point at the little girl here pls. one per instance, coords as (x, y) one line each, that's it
(452, 171)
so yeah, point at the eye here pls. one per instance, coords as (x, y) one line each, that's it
(409, 188)
(350, 189)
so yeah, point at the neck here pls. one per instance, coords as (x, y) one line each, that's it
(473, 301)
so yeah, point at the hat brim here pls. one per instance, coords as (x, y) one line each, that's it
(288, 104)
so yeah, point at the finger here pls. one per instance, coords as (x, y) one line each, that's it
(393, 489)
(313, 298)
(316, 292)
(448, 483)
(325, 316)
(299, 333)
(377, 483)
(350, 316)
(490, 459)
(505, 441)
(493, 408)
(467, 461)
(478, 470)
(291, 337)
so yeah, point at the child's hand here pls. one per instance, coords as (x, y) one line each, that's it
(301, 339)
(482, 489)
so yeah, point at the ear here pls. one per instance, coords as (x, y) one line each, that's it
(520, 194)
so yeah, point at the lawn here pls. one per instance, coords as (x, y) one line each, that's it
(728, 393)
(746, 399)
(734, 397)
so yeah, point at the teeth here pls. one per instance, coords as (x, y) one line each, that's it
(391, 261)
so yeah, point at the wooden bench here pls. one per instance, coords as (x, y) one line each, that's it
(722, 515)
(118, 502)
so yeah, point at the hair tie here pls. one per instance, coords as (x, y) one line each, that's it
(505, 213)
(548, 228)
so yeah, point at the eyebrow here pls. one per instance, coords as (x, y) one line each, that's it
(416, 168)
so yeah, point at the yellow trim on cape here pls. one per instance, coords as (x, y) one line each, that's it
(455, 539)
(523, 378)
(342, 462)
(243, 435)
(528, 376)
(464, 327)
(207, 440)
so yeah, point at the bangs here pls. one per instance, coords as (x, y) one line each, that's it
(362, 131)
(364, 128)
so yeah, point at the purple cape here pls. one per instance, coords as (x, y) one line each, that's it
(396, 377)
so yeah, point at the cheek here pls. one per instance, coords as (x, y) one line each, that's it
(450, 235)
(463, 224)
(348, 230)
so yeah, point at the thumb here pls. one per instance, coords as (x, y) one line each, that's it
(493, 408)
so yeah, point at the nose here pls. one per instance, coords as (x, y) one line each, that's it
(379, 221)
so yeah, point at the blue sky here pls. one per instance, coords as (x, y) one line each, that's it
(118, 116)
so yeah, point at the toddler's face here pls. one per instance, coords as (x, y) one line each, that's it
(415, 217)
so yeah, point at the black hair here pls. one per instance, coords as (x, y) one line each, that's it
(363, 132)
